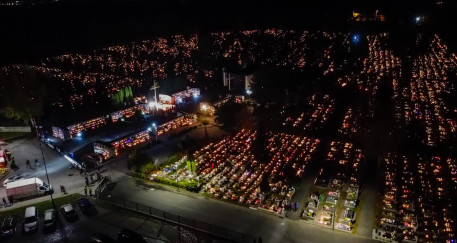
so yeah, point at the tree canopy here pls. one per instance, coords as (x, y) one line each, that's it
(22, 94)
(234, 116)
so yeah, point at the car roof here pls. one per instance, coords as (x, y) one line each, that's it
(67, 207)
(30, 211)
(83, 200)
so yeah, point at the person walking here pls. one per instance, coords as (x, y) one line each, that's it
(27, 164)
(85, 190)
(4, 203)
(10, 199)
(90, 191)
(37, 164)
(296, 206)
(62, 189)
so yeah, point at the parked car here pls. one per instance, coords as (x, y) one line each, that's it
(127, 236)
(69, 212)
(8, 226)
(85, 205)
(49, 221)
(101, 238)
(30, 220)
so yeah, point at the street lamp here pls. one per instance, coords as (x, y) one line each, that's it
(249, 92)
(155, 129)
(47, 176)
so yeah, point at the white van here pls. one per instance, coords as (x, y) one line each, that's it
(30, 219)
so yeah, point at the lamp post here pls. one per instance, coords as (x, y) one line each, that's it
(204, 108)
(155, 129)
(249, 92)
(177, 183)
(47, 176)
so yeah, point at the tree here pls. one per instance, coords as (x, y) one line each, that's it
(22, 94)
(259, 146)
(265, 184)
(121, 96)
(233, 116)
(130, 96)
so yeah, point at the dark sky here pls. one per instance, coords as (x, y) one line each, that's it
(31, 32)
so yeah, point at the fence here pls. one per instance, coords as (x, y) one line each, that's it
(15, 129)
(199, 227)
(102, 185)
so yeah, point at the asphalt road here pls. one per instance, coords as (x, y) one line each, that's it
(223, 214)
(58, 167)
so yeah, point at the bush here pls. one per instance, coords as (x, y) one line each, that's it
(188, 185)
(140, 175)
(192, 186)
(148, 168)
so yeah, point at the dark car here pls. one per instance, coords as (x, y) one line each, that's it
(85, 205)
(49, 221)
(8, 226)
(127, 235)
(68, 212)
(101, 238)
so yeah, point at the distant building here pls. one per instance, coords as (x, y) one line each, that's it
(237, 79)
(364, 17)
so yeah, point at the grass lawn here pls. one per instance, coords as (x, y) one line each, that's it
(12, 135)
(41, 206)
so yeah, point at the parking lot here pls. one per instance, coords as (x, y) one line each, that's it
(108, 220)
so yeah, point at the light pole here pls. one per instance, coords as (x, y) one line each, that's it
(177, 183)
(155, 129)
(47, 176)
(249, 92)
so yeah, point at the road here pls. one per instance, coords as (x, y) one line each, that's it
(228, 215)
(58, 167)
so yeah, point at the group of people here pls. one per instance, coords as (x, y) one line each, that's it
(293, 206)
(28, 165)
(90, 178)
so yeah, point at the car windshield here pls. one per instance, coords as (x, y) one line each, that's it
(69, 210)
(48, 216)
(29, 220)
(83, 202)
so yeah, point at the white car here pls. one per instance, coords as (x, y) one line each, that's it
(69, 212)
(30, 220)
